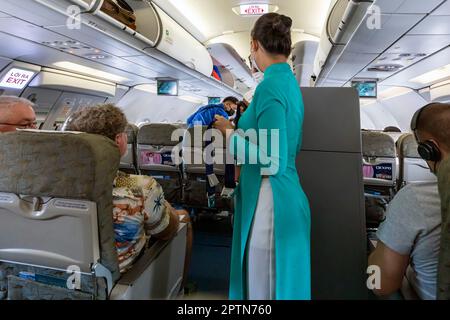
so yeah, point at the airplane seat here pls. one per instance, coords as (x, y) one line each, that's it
(194, 169)
(380, 170)
(155, 146)
(57, 238)
(128, 163)
(56, 214)
(412, 167)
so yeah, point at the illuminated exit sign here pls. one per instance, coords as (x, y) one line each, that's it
(16, 78)
(254, 9)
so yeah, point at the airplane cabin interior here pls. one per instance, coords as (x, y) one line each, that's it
(361, 66)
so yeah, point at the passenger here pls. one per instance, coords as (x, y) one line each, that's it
(411, 233)
(205, 115)
(16, 113)
(431, 125)
(392, 129)
(271, 256)
(139, 207)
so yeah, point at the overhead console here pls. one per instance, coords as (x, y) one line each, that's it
(343, 20)
(159, 47)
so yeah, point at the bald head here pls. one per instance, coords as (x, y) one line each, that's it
(16, 113)
(434, 124)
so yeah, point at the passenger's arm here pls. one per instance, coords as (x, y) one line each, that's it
(271, 151)
(392, 266)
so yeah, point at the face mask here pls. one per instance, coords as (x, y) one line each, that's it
(255, 65)
(258, 77)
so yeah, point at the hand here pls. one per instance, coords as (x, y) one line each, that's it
(222, 124)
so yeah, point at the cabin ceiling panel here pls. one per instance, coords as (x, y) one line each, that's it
(157, 69)
(433, 25)
(28, 31)
(407, 6)
(403, 78)
(349, 65)
(443, 10)
(393, 26)
(420, 44)
(207, 19)
(32, 11)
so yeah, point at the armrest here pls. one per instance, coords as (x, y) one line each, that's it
(144, 262)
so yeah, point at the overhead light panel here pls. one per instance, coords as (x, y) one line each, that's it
(78, 68)
(254, 9)
(433, 76)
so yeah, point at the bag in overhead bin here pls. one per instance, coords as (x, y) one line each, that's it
(121, 11)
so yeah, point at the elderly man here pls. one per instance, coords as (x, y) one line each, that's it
(16, 113)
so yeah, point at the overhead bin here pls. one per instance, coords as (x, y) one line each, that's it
(344, 18)
(228, 57)
(159, 30)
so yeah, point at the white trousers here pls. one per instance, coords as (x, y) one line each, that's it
(261, 248)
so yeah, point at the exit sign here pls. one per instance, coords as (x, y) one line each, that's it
(254, 9)
(16, 78)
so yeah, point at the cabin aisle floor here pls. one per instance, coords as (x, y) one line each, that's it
(210, 264)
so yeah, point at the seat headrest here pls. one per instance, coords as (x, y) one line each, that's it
(378, 144)
(56, 164)
(131, 131)
(157, 134)
(408, 146)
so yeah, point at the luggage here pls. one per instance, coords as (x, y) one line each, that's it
(121, 11)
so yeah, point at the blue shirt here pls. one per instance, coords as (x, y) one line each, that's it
(205, 116)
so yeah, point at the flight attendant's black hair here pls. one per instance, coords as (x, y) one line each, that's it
(273, 31)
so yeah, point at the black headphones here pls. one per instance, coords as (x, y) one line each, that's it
(428, 150)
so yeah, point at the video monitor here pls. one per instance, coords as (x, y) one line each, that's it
(214, 100)
(167, 87)
(366, 88)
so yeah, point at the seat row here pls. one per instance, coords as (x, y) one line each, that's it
(174, 156)
(390, 161)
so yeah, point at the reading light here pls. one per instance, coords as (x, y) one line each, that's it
(433, 76)
(78, 68)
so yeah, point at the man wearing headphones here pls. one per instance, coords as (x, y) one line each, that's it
(431, 126)
(409, 238)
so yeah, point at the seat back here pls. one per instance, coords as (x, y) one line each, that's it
(380, 166)
(56, 200)
(412, 168)
(155, 146)
(128, 163)
(196, 154)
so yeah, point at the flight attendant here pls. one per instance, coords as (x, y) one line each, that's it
(271, 240)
